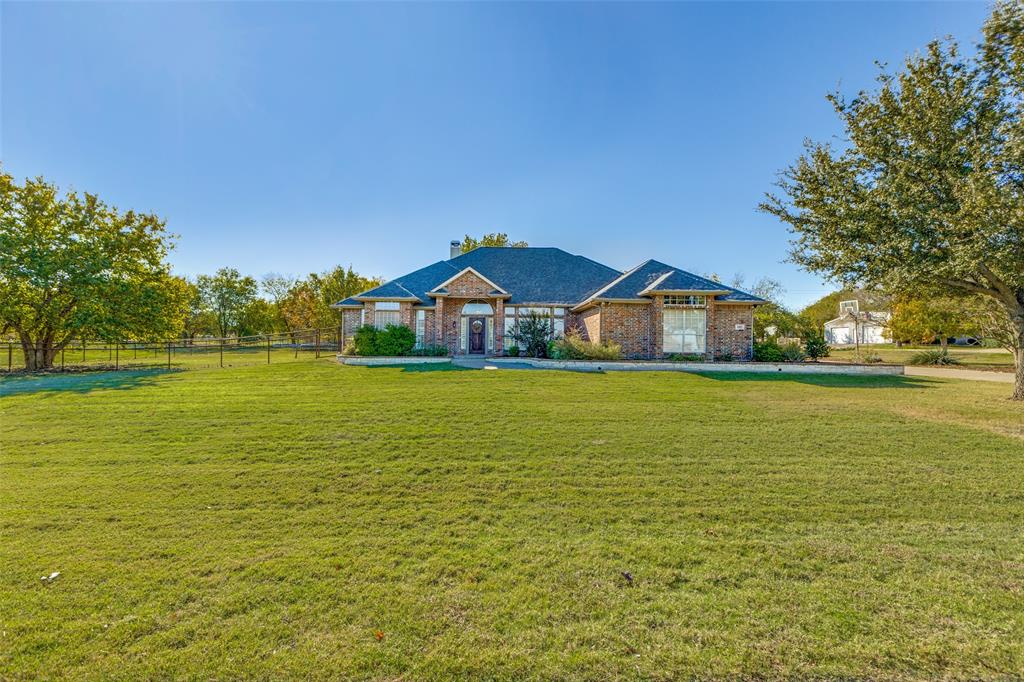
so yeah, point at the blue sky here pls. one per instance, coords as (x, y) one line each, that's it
(295, 136)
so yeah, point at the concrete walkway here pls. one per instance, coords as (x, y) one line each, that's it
(947, 373)
(482, 363)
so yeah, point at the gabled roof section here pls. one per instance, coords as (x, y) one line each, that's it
(537, 274)
(442, 288)
(411, 287)
(653, 277)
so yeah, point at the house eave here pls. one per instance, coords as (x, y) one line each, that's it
(685, 292)
(386, 298)
(591, 302)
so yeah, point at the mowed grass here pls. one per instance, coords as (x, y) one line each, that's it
(972, 357)
(313, 520)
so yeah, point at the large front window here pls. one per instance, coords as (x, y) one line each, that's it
(685, 330)
(385, 313)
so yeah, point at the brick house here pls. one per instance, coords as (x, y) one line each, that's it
(471, 300)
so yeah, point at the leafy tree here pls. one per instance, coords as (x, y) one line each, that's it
(772, 318)
(275, 288)
(492, 239)
(198, 318)
(227, 294)
(337, 285)
(924, 319)
(258, 317)
(73, 267)
(301, 306)
(928, 190)
(992, 322)
(307, 302)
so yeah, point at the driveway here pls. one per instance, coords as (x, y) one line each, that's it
(947, 373)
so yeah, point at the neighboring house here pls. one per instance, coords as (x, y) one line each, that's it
(470, 302)
(854, 327)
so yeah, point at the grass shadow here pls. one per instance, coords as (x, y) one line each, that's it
(79, 382)
(826, 380)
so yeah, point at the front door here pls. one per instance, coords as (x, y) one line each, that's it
(477, 325)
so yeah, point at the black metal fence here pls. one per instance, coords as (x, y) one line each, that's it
(200, 352)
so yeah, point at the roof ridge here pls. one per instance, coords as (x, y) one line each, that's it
(615, 281)
(653, 285)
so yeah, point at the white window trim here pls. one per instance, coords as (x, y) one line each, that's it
(683, 313)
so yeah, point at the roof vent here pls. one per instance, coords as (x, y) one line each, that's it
(456, 248)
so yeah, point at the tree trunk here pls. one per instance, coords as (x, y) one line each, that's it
(1018, 383)
(944, 343)
(38, 355)
(1017, 346)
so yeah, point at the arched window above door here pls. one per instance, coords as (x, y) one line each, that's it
(477, 307)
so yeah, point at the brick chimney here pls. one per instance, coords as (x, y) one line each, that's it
(456, 248)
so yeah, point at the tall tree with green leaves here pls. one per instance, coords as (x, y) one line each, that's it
(923, 320)
(926, 195)
(198, 319)
(491, 239)
(72, 267)
(227, 294)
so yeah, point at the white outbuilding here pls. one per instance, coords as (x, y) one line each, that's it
(853, 326)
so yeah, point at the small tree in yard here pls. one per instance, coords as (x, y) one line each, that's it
(532, 335)
(73, 267)
(927, 192)
(815, 345)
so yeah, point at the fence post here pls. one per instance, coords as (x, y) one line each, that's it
(117, 356)
(168, 355)
(268, 349)
(10, 356)
(62, 359)
(317, 343)
(83, 349)
(222, 352)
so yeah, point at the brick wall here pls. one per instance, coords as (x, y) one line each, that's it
(350, 322)
(589, 321)
(468, 286)
(723, 337)
(628, 325)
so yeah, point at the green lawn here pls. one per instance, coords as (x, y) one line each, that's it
(973, 358)
(310, 520)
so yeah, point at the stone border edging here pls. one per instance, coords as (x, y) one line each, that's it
(753, 367)
(382, 360)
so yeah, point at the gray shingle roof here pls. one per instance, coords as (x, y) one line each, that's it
(653, 275)
(547, 275)
(537, 275)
